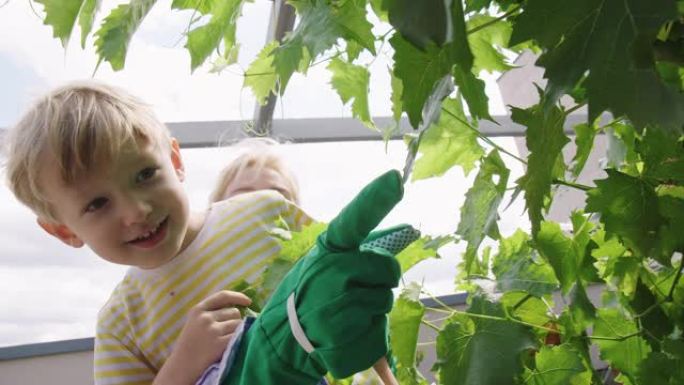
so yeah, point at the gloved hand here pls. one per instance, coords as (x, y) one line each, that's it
(339, 295)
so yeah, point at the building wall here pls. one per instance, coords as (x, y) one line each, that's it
(59, 369)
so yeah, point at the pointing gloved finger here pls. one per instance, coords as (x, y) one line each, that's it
(364, 212)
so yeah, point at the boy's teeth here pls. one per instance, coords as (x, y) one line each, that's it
(147, 234)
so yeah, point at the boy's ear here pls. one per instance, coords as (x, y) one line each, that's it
(176, 159)
(61, 232)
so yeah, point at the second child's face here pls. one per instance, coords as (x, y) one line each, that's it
(131, 211)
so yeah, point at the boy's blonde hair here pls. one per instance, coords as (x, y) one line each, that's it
(257, 157)
(77, 126)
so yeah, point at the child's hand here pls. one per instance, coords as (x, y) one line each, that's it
(207, 331)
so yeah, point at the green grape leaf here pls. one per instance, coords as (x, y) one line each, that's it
(419, 71)
(476, 5)
(116, 31)
(352, 82)
(670, 237)
(625, 350)
(663, 155)
(607, 252)
(201, 6)
(622, 153)
(576, 41)
(659, 369)
(626, 205)
(301, 241)
(421, 22)
(433, 23)
(560, 251)
(484, 43)
(353, 50)
(86, 18)
(582, 310)
(61, 16)
(409, 376)
(479, 212)
(473, 91)
(261, 76)
(202, 41)
(463, 339)
(404, 321)
(397, 92)
(653, 319)
(350, 17)
(584, 141)
(528, 309)
(420, 250)
(583, 229)
(545, 140)
(378, 6)
(515, 269)
(320, 25)
(559, 365)
(273, 275)
(447, 143)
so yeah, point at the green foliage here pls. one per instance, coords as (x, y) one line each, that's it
(464, 337)
(404, 322)
(351, 82)
(624, 57)
(626, 205)
(202, 41)
(516, 270)
(575, 39)
(117, 29)
(558, 365)
(622, 348)
(545, 140)
(420, 250)
(447, 143)
(480, 210)
(61, 15)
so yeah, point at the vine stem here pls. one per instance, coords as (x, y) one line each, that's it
(484, 316)
(430, 325)
(522, 301)
(670, 295)
(484, 138)
(574, 108)
(494, 21)
(621, 338)
(571, 184)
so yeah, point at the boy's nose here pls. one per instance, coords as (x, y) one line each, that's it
(135, 210)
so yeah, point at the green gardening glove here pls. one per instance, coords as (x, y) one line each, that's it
(338, 296)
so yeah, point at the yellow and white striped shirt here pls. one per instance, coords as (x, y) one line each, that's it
(139, 324)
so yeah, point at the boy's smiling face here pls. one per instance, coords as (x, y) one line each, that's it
(131, 210)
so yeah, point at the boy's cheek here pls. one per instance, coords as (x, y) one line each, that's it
(61, 232)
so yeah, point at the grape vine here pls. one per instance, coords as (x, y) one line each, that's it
(538, 325)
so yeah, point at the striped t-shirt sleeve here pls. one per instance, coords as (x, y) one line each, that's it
(117, 364)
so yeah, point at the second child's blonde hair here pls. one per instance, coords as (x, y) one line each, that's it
(257, 157)
(77, 126)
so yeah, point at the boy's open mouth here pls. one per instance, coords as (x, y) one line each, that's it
(152, 237)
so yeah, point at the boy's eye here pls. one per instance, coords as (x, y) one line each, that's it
(145, 174)
(96, 204)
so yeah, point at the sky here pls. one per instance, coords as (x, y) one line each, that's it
(51, 292)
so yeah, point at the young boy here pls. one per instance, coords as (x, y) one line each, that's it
(99, 169)
(258, 168)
